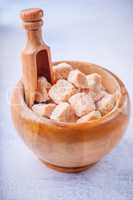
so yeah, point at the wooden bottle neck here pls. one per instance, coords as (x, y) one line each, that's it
(32, 22)
(34, 37)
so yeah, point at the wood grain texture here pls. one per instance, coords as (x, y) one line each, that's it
(71, 145)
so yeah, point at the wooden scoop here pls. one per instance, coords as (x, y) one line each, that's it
(36, 57)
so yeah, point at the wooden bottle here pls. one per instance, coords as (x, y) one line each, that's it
(36, 57)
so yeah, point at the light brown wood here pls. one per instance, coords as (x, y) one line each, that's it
(69, 146)
(36, 57)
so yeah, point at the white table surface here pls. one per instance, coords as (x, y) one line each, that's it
(96, 31)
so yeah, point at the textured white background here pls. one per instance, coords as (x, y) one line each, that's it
(97, 31)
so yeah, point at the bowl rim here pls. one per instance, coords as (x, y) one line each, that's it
(29, 114)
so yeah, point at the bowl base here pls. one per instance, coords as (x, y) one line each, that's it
(67, 169)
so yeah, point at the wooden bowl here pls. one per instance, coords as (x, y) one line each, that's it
(71, 147)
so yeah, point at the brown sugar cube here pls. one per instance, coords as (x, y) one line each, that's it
(61, 91)
(63, 113)
(82, 104)
(61, 71)
(94, 81)
(44, 110)
(78, 79)
(42, 82)
(97, 95)
(106, 104)
(42, 90)
(90, 116)
(41, 95)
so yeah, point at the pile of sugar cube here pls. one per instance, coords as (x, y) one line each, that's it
(75, 97)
